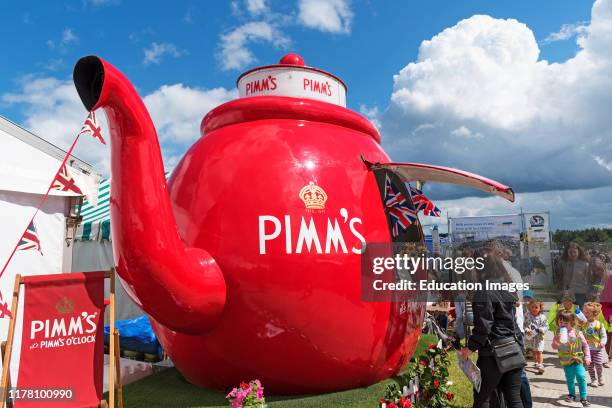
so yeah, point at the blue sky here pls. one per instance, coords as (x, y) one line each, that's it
(384, 36)
(518, 91)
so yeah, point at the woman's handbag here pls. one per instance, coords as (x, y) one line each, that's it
(508, 353)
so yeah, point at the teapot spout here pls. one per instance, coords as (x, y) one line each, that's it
(182, 288)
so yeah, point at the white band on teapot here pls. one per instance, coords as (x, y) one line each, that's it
(292, 81)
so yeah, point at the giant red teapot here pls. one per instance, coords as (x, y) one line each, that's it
(248, 259)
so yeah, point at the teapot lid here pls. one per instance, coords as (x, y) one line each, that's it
(291, 77)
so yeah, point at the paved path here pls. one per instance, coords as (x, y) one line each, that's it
(549, 389)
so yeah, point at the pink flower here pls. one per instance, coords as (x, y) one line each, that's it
(260, 393)
(240, 395)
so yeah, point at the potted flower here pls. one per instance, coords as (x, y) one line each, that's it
(248, 395)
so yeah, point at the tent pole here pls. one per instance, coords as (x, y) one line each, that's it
(118, 369)
(6, 361)
(111, 342)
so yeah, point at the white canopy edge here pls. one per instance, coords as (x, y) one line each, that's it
(439, 174)
(28, 164)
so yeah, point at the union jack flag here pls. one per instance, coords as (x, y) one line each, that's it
(422, 203)
(401, 213)
(4, 309)
(29, 240)
(91, 126)
(65, 182)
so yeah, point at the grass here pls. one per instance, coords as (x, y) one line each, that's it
(462, 388)
(168, 389)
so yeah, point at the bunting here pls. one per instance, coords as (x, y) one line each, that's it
(29, 239)
(5, 312)
(65, 182)
(92, 127)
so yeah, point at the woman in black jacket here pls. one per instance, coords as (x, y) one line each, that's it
(494, 320)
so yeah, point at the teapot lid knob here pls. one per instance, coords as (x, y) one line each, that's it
(292, 59)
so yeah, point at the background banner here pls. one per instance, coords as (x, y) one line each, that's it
(62, 341)
(484, 228)
(537, 227)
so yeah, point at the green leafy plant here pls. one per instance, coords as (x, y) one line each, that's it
(430, 371)
(395, 398)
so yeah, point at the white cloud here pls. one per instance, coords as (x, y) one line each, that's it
(98, 3)
(156, 51)
(68, 37)
(256, 6)
(481, 57)
(234, 52)
(177, 110)
(605, 164)
(53, 64)
(464, 132)
(568, 31)
(333, 16)
(538, 124)
(372, 113)
(53, 111)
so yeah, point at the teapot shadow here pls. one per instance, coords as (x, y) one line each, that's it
(169, 388)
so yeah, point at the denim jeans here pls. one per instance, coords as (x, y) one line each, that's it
(525, 390)
(463, 318)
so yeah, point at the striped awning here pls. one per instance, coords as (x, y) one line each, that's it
(95, 225)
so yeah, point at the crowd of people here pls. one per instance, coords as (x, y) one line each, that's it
(583, 272)
(517, 323)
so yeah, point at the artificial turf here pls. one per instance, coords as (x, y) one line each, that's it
(168, 389)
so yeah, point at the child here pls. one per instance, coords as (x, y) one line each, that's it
(608, 313)
(566, 304)
(572, 354)
(595, 334)
(606, 303)
(527, 296)
(535, 328)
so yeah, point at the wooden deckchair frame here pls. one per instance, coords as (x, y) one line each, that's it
(113, 344)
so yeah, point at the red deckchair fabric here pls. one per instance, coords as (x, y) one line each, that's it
(62, 346)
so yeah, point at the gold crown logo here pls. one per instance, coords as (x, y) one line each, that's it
(64, 305)
(313, 196)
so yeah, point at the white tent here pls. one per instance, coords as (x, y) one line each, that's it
(28, 164)
(92, 249)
